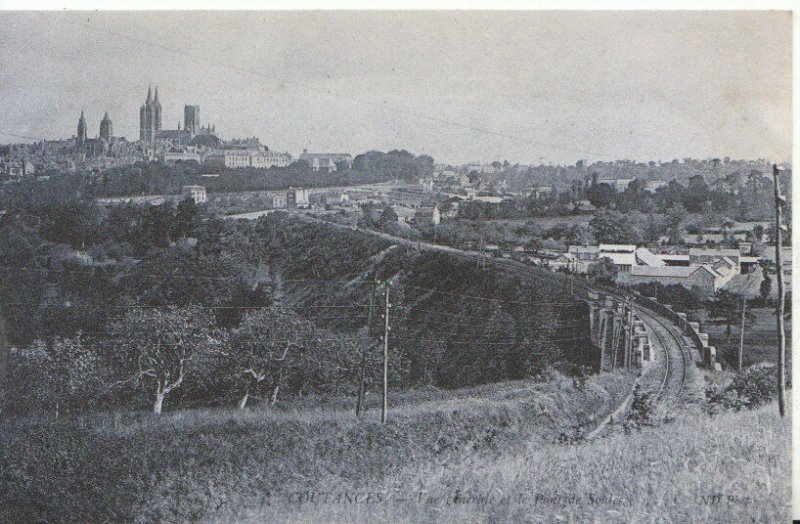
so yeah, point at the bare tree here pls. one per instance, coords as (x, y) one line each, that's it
(157, 349)
(263, 347)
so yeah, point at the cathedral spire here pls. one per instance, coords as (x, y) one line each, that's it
(156, 99)
(149, 93)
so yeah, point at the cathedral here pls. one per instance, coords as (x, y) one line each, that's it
(150, 117)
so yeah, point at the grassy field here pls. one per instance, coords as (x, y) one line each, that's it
(493, 453)
(760, 339)
(212, 465)
(734, 467)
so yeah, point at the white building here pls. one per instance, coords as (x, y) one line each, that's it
(196, 193)
(239, 158)
(267, 159)
(298, 199)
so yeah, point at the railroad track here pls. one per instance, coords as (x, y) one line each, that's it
(676, 358)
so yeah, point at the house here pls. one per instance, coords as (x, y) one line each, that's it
(335, 197)
(276, 201)
(674, 260)
(196, 193)
(701, 278)
(645, 257)
(623, 261)
(699, 256)
(326, 162)
(584, 252)
(427, 216)
(622, 255)
(747, 264)
(267, 159)
(297, 199)
(404, 214)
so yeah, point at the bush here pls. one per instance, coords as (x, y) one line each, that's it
(753, 387)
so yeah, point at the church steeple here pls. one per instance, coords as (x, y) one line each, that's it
(81, 129)
(150, 116)
(106, 128)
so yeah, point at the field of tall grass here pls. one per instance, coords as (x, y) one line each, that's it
(508, 452)
(225, 465)
(730, 468)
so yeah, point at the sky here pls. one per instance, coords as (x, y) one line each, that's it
(529, 87)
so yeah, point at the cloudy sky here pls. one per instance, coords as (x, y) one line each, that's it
(460, 86)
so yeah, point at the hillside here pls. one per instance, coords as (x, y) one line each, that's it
(453, 324)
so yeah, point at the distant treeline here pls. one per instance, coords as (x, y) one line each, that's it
(158, 178)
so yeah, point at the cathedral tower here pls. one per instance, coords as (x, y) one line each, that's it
(149, 117)
(106, 128)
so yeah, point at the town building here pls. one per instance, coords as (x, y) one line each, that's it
(297, 199)
(196, 193)
(276, 201)
(404, 214)
(326, 162)
(427, 216)
(703, 278)
(239, 158)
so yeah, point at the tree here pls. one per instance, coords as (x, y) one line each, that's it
(696, 195)
(765, 288)
(674, 223)
(613, 227)
(388, 216)
(600, 195)
(603, 271)
(186, 217)
(61, 375)
(159, 349)
(266, 344)
(158, 223)
(728, 307)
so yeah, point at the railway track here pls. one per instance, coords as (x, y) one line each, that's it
(676, 357)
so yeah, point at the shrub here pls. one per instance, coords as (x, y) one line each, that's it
(753, 387)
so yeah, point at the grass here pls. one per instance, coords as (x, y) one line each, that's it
(670, 473)
(484, 454)
(206, 465)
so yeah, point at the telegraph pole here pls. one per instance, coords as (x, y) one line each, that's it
(364, 351)
(779, 202)
(384, 405)
(741, 333)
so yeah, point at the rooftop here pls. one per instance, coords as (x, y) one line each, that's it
(648, 258)
(618, 248)
(667, 271)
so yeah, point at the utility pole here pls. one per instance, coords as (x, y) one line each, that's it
(364, 351)
(384, 405)
(741, 333)
(779, 202)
